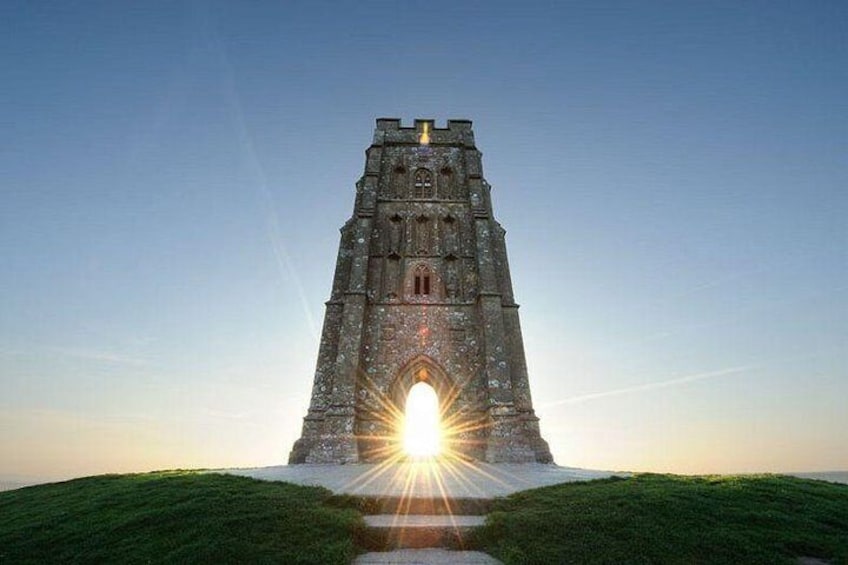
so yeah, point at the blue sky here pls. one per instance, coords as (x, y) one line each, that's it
(672, 177)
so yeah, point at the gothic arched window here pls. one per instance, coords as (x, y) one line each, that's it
(421, 281)
(423, 184)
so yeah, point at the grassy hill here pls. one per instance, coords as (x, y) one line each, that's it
(672, 519)
(173, 517)
(187, 517)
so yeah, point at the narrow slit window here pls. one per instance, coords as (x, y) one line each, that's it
(421, 281)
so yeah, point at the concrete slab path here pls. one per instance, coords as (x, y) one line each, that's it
(426, 557)
(454, 479)
(405, 521)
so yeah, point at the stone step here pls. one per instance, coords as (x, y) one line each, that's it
(419, 505)
(415, 531)
(426, 557)
(422, 521)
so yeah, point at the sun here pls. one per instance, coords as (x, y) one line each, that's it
(422, 433)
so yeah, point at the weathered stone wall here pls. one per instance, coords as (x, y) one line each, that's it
(421, 211)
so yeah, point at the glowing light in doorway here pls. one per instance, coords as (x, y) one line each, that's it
(422, 427)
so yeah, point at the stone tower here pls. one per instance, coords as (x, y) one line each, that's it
(421, 293)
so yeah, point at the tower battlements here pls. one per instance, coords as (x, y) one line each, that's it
(392, 131)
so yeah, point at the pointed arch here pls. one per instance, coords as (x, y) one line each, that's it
(422, 184)
(446, 182)
(394, 235)
(423, 235)
(422, 281)
(450, 229)
(452, 279)
(397, 182)
(422, 368)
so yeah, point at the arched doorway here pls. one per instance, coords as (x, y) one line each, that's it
(423, 393)
(422, 431)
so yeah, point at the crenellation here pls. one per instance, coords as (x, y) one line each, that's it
(391, 131)
(388, 124)
(459, 125)
(451, 124)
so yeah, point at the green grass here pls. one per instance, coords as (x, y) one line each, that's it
(188, 517)
(672, 519)
(174, 517)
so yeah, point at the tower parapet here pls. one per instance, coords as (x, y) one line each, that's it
(391, 131)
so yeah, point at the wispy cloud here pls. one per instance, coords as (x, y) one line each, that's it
(102, 356)
(649, 386)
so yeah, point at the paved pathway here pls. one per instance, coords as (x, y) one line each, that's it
(423, 520)
(421, 525)
(426, 557)
(425, 480)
